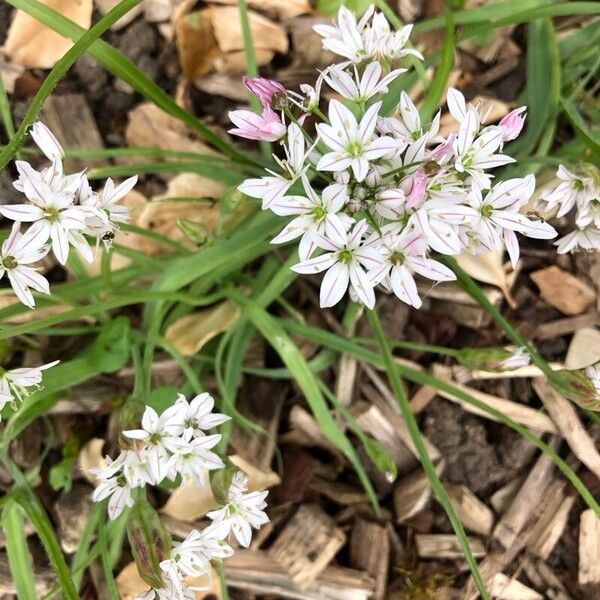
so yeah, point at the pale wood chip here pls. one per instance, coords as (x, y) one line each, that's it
(507, 588)
(563, 291)
(474, 514)
(589, 548)
(370, 551)
(442, 546)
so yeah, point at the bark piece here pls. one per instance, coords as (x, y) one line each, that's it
(507, 588)
(567, 420)
(259, 573)
(412, 494)
(589, 548)
(70, 119)
(474, 514)
(559, 327)
(526, 501)
(370, 551)
(442, 546)
(307, 544)
(564, 291)
(553, 530)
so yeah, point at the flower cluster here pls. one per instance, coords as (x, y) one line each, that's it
(14, 383)
(375, 191)
(579, 191)
(62, 209)
(176, 445)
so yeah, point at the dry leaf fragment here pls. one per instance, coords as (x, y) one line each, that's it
(105, 6)
(190, 333)
(564, 291)
(196, 43)
(284, 9)
(91, 457)
(584, 349)
(487, 268)
(35, 46)
(151, 127)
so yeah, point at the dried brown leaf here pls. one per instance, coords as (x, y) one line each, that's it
(35, 46)
(190, 333)
(91, 457)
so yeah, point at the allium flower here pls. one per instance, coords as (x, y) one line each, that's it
(586, 238)
(405, 253)
(574, 188)
(275, 186)
(54, 216)
(519, 358)
(18, 252)
(498, 217)
(264, 89)
(103, 211)
(196, 417)
(46, 141)
(192, 459)
(160, 435)
(316, 214)
(345, 264)
(242, 511)
(512, 123)
(266, 127)
(14, 383)
(353, 144)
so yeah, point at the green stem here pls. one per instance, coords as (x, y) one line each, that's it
(424, 457)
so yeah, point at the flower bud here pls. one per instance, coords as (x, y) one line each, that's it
(512, 124)
(220, 481)
(150, 542)
(198, 233)
(492, 359)
(269, 92)
(578, 387)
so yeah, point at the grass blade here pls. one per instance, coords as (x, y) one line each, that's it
(426, 462)
(19, 557)
(58, 72)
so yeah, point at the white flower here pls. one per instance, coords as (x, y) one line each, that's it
(242, 511)
(498, 216)
(160, 435)
(404, 253)
(46, 141)
(353, 145)
(410, 127)
(174, 589)
(345, 263)
(519, 358)
(196, 417)
(54, 216)
(190, 460)
(360, 88)
(104, 211)
(321, 214)
(587, 238)
(18, 252)
(14, 383)
(275, 186)
(384, 44)
(474, 150)
(574, 188)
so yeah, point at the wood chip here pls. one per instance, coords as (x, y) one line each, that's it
(35, 46)
(412, 494)
(105, 6)
(474, 514)
(501, 499)
(307, 544)
(71, 120)
(584, 349)
(563, 291)
(370, 552)
(526, 501)
(258, 573)
(507, 588)
(589, 548)
(442, 546)
(284, 9)
(525, 415)
(564, 414)
(552, 531)
(560, 327)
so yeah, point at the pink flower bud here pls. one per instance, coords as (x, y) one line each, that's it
(266, 127)
(512, 123)
(417, 192)
(264, 89)
(444, 149)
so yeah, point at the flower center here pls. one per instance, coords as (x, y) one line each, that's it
(10, 262)
(487, 210)
(397, 258)
(345, 256)
(319, 213)
(155, 439)
(52, 214)
(354, 149)
(578, 185)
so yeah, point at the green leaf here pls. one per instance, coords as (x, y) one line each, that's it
(19, 557)
(330, 7)
(162, 398)
(112, 347)
(60, 475)
(589, 137)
